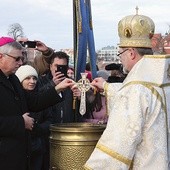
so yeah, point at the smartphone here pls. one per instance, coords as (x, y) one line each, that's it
(63, 69)
(28, 44)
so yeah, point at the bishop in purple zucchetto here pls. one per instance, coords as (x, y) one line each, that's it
(5, 40)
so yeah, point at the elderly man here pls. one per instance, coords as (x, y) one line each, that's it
(15, 104)
(137, 131)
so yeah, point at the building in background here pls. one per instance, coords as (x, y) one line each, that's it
(161, 43)
(105, 56)
(108, 54)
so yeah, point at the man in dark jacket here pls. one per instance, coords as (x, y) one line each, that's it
(15, 104)
(63, 111)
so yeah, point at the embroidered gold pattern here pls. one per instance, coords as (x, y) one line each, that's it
(149, 86)
(113, 154)
(128, 32)
(85, 167)
(105, 92)
(157, 56)
(168, 72)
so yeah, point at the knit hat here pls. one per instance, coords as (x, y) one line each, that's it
(25, 71)
(103, 73)
(5, 40)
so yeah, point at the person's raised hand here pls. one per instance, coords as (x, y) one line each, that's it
(40, 46)
(64, 84)
(58, 77)
(76, 91)
(98, 83)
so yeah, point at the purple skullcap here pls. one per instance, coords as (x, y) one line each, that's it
(5, 40)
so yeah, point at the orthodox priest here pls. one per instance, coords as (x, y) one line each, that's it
(136, 136)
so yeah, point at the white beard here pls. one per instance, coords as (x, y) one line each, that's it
(125, 71)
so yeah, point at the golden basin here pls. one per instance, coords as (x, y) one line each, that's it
(71, 144)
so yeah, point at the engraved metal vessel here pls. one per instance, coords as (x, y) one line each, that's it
(71, 144)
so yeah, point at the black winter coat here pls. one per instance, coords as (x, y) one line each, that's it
(62, 112)
(14, 102)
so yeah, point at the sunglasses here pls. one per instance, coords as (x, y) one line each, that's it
(16, 58)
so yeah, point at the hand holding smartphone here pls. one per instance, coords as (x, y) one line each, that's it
(28, 44)
(63, 69)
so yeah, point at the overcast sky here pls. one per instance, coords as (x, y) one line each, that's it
(51, 21)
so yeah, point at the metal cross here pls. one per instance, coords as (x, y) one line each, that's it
(83, 85)
(137, 9)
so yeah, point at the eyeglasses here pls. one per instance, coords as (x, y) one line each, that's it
(16, 58)
(121, 52)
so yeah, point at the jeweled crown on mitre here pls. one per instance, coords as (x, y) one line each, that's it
(136, 31)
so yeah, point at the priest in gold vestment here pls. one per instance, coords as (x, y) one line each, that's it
(137, 132)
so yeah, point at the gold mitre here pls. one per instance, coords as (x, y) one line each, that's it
(136, 31)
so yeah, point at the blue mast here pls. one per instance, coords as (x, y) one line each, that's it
(83, 37)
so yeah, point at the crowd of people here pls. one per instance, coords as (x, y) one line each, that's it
(38, 93)
(17, 103)
(38, 81)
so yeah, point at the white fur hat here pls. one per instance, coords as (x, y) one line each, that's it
(25, 71)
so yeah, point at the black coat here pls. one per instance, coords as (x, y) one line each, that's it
(114, 79)
(62, 112)
(14, 102)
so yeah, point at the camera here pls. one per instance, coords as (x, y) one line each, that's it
(28, 44)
